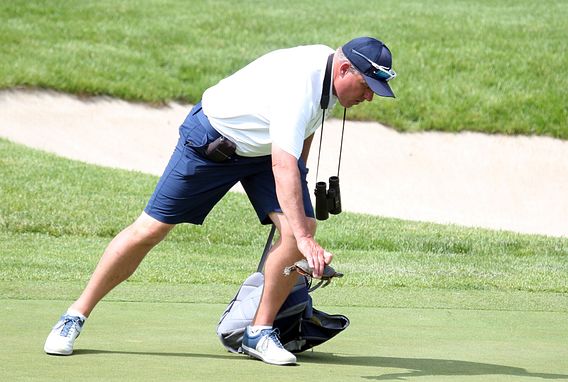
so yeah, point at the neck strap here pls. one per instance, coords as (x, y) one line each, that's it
(326, 88)
(324, 103)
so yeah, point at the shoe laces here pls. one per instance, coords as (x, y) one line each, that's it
(272, 337)
(69, 324)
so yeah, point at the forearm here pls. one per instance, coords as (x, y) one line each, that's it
(289, 193)
(290, 197)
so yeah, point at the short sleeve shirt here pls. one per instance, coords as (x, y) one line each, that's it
(273, 100)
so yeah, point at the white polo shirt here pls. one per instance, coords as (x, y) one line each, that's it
(273, 100)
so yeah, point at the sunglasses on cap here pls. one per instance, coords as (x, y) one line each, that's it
(381, 72)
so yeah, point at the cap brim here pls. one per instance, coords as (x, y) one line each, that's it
(381, 88)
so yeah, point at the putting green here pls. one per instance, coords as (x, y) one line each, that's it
(135, 341)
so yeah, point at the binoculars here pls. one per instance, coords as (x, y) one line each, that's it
(328, 201)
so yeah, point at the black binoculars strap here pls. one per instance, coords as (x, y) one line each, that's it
(324, 103)
(326, 87)
(341, 144)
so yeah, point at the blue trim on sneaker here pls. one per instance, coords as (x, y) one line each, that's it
(69, 322)
(251, 342)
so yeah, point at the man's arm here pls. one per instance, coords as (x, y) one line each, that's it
(289, 193)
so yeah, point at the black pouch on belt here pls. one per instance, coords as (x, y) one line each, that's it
(220, 149)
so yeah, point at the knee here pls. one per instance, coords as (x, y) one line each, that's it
(149, 231)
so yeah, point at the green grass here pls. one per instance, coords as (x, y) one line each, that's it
(58, 215)
(426, 302)
(176, 342)
(492, 66)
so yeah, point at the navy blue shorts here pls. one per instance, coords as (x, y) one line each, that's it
(191, 184)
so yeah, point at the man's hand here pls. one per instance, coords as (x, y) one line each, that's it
(316, 256)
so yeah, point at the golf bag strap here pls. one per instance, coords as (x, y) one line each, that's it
(267, 247)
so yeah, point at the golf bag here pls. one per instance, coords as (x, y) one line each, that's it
(301, 326)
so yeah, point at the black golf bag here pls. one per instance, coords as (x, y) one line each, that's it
(301, 326)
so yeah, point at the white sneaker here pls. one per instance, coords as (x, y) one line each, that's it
(62, 337)
(266, 346)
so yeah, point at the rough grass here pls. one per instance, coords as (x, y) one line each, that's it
(490, 66)
(58, 215)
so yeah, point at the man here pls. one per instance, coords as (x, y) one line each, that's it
(256, 127)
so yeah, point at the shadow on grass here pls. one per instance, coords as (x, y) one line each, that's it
(157, 354)
(227, 356)
(415, 367)
(420, 367)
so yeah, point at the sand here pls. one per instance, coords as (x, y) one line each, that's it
(499, 182)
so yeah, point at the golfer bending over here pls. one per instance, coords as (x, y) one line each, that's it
(254, 127)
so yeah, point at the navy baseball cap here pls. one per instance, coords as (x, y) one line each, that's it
(373, 59)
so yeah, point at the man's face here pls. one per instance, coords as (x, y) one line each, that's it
(351, 89)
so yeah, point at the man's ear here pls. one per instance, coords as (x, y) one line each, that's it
(344, 68)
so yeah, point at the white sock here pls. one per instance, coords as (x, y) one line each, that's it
(73, 312)
(254, 330)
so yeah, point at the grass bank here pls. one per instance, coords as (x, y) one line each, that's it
(490, 66)
(58, 215)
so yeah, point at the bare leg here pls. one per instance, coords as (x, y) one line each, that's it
(120, 259)
(277, 287)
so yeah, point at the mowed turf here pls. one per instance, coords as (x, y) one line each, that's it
(176, 342)
(426, 302)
